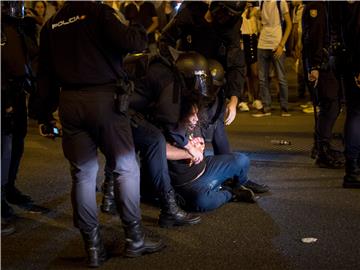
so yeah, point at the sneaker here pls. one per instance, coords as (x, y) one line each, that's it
(243, 107)
(261, 113)
(256, 188)
(307, 105)
(243, 194)
(310, 109)
(6, 228)
(285, 113)
(257, 104)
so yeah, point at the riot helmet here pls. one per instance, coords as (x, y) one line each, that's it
(136, 65)
(217, 76)
(195, 71)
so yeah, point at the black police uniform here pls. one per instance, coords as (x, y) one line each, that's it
(78, 46)
(320, 38)
(18, 49)
(147, 103)
(212, 125)
(350, 18)
(213, 40)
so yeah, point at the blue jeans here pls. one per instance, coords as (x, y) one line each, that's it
(205, 193)
(265, 57)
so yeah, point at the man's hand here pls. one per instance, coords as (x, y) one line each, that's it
(199, 143)
(9, 109)
(49, 130)
(230, 112)
(313, 77)
(278, 51)
(197, 154)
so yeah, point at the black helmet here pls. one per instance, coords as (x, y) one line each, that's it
(136, 65)
(14, 9)
(217, 72)
(195, 70)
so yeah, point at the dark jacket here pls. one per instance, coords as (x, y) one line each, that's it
(19, 52)
(158, 96)
(322, 37)
(76, 45)
(351, 33)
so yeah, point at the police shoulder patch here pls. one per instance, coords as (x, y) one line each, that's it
(313, 13)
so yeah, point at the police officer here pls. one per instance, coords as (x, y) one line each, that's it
(151, 146)
(155, 111)
(212, 119)
(321, 43)
(214, 32)
(18, 50)
(81, 50)
(350, 18)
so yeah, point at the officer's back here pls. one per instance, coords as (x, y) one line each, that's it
(78, 37)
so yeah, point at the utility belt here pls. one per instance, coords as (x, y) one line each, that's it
(122, 89)
(107, 87)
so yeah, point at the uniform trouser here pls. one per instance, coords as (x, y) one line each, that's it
(352, 122)
(265, 58)
(89, 122)
(18, 137)
(6, 144)
(220, 140)
(329, 103)
(301, 81)
(204, 194)
(151, 144)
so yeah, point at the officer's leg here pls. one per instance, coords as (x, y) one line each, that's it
(6, 143)
(80, 149)
(151, 143)
(329, 110)
(18, 139)
(116, 142)
(352, 135)
(220, 140)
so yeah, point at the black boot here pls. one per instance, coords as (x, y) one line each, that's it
(7, 212)
(96, 253)
(329, 158)
(171, 215)
(137, 243)
(108, 202)
(15, 196)
(352, 174)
